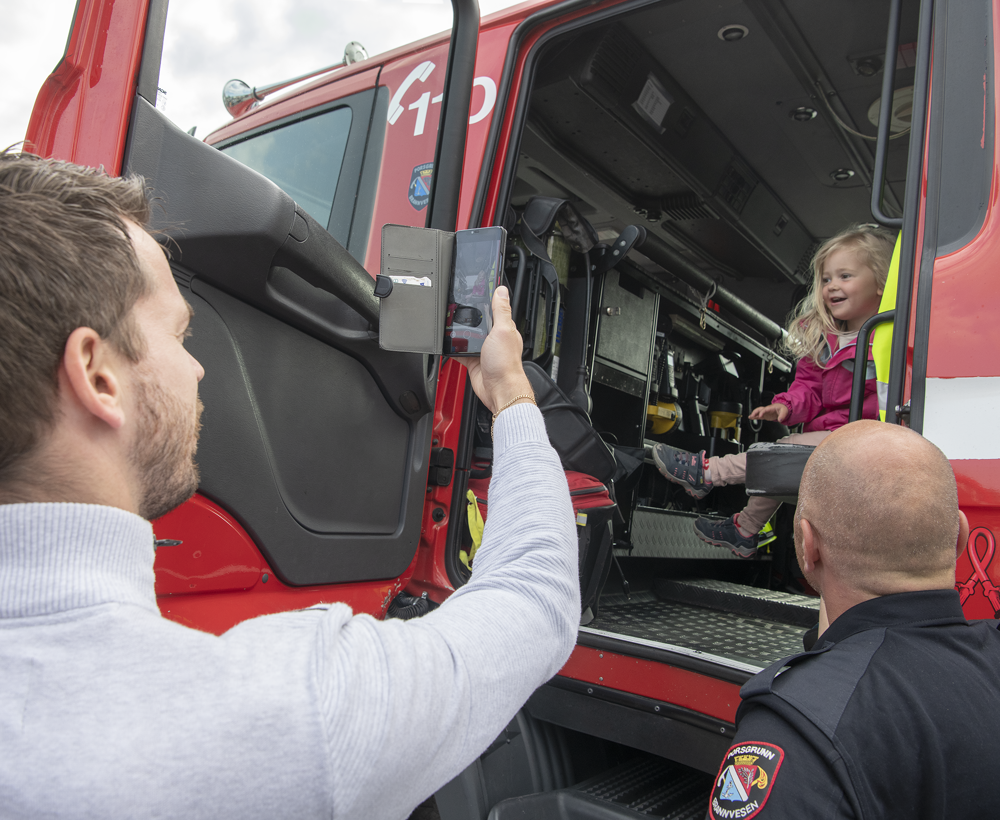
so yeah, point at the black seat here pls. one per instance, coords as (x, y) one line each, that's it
(775, 470)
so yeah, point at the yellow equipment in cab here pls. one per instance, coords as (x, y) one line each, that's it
(663, 416)
(727, 422)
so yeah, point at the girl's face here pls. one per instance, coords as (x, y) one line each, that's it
(849, 289)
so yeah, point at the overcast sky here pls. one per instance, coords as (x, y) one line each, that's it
(211, 41)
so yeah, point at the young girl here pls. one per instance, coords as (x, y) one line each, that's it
(849, 273)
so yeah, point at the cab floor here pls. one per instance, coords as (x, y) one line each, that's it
(723, 623)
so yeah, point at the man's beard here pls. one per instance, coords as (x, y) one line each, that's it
(163, 449)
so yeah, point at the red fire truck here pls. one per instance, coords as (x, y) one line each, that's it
(705, 149)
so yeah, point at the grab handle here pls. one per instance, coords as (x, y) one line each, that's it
(861, 362)
(884, 118)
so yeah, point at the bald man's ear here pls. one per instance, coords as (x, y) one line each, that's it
(89, 372)
(963, 534)
(810, 553)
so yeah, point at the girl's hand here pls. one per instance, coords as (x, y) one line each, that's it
(773, 412)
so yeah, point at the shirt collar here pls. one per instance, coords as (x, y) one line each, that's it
(925, 608)
(58, 557)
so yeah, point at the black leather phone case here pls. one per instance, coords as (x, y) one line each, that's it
(412, 315)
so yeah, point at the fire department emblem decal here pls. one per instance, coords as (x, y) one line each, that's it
(420, 185)
(745, 780)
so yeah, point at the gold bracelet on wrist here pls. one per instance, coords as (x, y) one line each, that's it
(508, 404)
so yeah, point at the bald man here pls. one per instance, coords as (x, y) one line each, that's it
(895, 712)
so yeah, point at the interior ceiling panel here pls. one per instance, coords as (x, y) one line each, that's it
(747, 88)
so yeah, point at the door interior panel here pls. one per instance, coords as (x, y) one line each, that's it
(320, 461)
(313, 437)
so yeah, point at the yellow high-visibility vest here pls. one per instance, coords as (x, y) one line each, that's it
(882, 337)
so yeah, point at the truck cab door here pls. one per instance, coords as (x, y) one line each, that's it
(315, 442)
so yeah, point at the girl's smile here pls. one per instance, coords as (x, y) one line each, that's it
(850, 291)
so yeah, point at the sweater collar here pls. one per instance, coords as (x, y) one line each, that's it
(58, 557)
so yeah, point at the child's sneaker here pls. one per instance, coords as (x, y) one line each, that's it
(724, 534)
(684, 468)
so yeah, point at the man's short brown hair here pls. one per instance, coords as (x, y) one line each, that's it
(66, 261)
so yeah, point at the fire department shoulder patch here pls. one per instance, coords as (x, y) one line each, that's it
(745, 779)
(420, 185)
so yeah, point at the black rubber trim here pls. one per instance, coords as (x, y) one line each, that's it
(152, 51)
(967, 138)
(459, 487)
(932, 211)
(504, 87)
(652, 653)
(911, 212)
(364, 208)
(632, 721)
(449, 153)
(661, 708)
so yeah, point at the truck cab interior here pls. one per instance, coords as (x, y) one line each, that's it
(718, 145)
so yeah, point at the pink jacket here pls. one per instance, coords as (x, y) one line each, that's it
(821, 396)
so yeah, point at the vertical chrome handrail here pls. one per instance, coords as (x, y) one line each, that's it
(885, 117)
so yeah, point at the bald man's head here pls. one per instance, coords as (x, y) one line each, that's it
(884, 503)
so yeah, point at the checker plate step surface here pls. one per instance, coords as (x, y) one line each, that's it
(646, 787)
(654, 787)
(670, 534)
(723, 636)
(772, 605)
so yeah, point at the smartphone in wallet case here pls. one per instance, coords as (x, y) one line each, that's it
(442, 286)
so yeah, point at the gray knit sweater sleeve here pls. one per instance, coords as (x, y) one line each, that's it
(407, 705)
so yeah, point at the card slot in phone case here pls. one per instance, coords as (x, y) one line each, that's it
(399, 258)
(416, 270)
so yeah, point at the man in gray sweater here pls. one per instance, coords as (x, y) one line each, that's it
(107, 709)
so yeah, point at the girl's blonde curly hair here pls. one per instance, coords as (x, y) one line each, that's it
(811, 321)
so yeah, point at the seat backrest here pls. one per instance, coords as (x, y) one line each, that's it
(578, 444)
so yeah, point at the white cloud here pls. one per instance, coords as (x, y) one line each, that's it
(211, 41)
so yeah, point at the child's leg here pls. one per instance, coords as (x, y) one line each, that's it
(725, 470)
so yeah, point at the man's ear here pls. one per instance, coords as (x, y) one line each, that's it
(963, 535)
(92, 374)
(810, 545)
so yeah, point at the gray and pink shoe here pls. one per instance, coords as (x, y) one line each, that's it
(725, 533)
(684, 468)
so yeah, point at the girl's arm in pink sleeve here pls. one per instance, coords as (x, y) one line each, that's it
(804, 397)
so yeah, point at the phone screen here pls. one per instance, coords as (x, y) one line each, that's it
(477, 272)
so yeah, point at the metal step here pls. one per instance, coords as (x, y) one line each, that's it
(771, 605)
(736, 641)
(660, 533)
(646, 787)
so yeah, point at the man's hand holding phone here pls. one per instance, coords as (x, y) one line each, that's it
(497, 375)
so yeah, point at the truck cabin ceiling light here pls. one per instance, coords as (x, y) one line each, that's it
(842, 174)
(732, 33)
(802, 114)
(902, 110)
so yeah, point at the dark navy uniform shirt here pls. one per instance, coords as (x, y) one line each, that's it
(895, 713)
